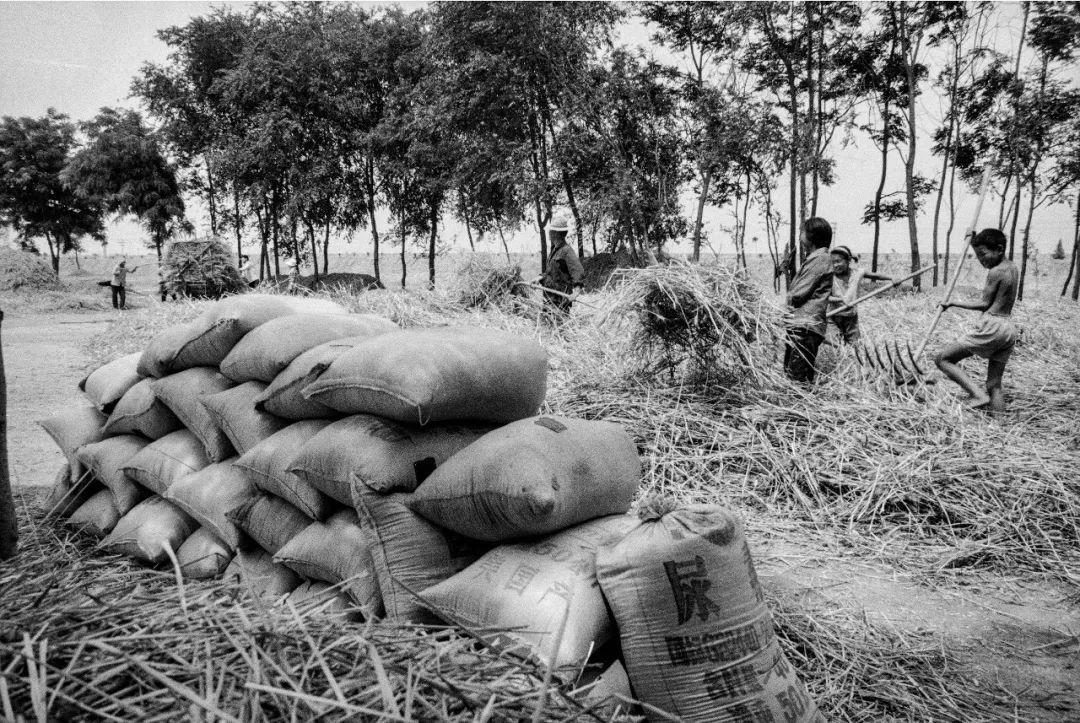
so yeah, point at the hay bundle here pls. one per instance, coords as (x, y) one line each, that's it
(200, 268)
(484, 284)
(23, 269)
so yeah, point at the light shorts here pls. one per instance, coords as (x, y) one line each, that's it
(993, 338)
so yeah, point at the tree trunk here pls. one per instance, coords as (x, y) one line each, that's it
(944, 175)
(275, 230)
(369, 187)
(9, 527)
(706, 180)
(314, 249)
(1015, 217)
(1076, 244)
(746, 215)
(434, 221)
(885, 128)
(237, 221)
(541, 223)
(577, 216)
(326, 249)
(404, 271)
(79, 265)
(468, 232)
(211, 200)
(1027, 233)
(506, 248)
(910, 57)
(54, 253)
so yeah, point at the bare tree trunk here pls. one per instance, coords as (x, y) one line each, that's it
(468, 232)
(403, 267)
(314, 249)
(237, 222)
(326, 249)
(577, 216)
(211, 200)
(9, 527)
(434, 221)
(369, 186)
(1015, 217)
(506, 248)
(1076, 244)
(706, 180)
(746, 215)
(952, 218)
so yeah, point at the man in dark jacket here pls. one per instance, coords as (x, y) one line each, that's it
(564, 272)
(808, 300)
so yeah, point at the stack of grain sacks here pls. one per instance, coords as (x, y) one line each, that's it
(404, 473)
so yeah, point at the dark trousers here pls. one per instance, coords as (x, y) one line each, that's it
(118, 296)
(800, 352)
(848, 326)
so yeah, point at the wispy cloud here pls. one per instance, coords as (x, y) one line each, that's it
(49, 63)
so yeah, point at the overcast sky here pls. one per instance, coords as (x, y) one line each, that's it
(80, 56)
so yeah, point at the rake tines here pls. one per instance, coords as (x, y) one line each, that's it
(890, 358)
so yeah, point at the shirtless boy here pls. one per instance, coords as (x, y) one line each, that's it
(995, 335)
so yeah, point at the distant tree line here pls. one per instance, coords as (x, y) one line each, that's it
(298, 122)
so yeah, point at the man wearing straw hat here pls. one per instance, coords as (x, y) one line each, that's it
(564, 272)
(808, 300)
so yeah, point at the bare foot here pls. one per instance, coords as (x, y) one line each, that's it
(977, 402)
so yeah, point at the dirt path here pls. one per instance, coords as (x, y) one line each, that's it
(44, 363)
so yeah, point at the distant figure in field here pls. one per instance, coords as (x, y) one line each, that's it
(994, 337)
(564, 272)
(248, 272)
(118, 285)
(808, 300)
(845, 289)
(294, 286)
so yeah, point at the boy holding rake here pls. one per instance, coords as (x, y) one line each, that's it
(995, 335)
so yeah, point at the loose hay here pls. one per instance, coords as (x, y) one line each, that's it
(25, 270)
(483, 284)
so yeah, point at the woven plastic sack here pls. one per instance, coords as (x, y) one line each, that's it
(156, 360)
(519, 595)
(234, 412)
(72, 429)
(106, 459)
(139, 411)
(181, 393)
(423, 376)
(269, 521)
(284, 397)
(160, 463)
(267, 465)
(257, 571)
(203, 555)
(697, 637)
(532, 477)
(410, 553)
(265, 352)
(145, 531)
(336, 551)
(108, 383)
(97, 516)
(209, 493)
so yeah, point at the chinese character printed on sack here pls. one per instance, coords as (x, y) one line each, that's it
(690, 583)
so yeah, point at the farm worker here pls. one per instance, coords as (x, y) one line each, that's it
(248, 272)
(564, 272)
(994, 337)
(294, 277)
(119, 283)
(808, 300)
(845, 289)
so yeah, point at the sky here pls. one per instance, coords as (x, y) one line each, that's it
(78, 57)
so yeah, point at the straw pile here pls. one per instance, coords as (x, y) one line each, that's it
(200, 268)
(25, 270)
(483, 284)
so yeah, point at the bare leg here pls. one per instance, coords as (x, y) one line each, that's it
(995, 370)
(948, 360)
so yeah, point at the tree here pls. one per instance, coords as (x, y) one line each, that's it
(9, 529)
(34, 200)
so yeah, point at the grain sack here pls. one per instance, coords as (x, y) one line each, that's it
(106, 459)
(517, 596)
(265, 352)
(139, 411)
(314, 597)
(203, 555)
(267, 465)
(166, 460)
(257, 571)
(209, 493)
(386, 455)
(336, 551)
(107, 384)
(150, 526)
(269, 521)
(181, 393)
(409, 553)
(697, 638)
(284, 397)
(65, 496)
(532, 477)
(434, 375)
(72, 429)
(217, 330)
(234, 412)
(157, 357)
(97, 516)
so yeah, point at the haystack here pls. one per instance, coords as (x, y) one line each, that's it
(25, 270)
(200, 268)
(483, 284)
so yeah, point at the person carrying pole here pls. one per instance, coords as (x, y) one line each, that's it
(807, 300)
(118, 284)
(563, 277)
(845, 289)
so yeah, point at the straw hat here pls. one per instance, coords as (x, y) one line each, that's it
(559, 223)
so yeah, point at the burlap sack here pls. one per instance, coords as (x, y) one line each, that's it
(284, 397)
(269, 521)
(157, 359)
(209, 493)
(139, 411)
(423, 376)
(181, 393)
(72, 429)
(203, 555)
(234, 412)
(257, 572)
(166, 460)
(265, 352)
(519, 595)
(97, 516)
(107, 458)
(532, 477)
(697, 637)
(108, 383)
(267, 465)
(150, 526)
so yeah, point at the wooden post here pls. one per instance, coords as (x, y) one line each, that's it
(9, 530)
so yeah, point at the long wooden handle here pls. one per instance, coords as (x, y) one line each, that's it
(987, 174)
(879, 290)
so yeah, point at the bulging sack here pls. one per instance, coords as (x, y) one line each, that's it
(435, 375)
(410, 554)
(209, 493)
(166, 460)
(139, 411)
(181, 392)
(284, 397)
(234, 412)
(386, 455)
(519, 595)
(108, 383)
(697, 637)
(203, 555)
(336, 551)
(97, 516)
(315, 597)
(267, 465)
(269, 521)
(265, 351)
(157, 358)
(532, 477)
(150, 527)
(107, 458)
(72, 429)
(258, 572)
